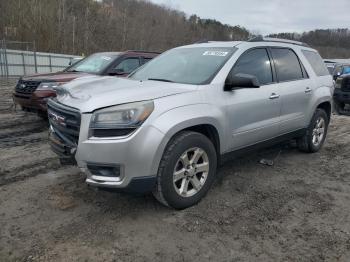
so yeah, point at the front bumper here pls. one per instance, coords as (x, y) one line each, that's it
(32, 102)
(136, 156)
(341, 96)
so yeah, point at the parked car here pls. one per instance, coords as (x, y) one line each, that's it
(340, 69)
(165, 128)
(330, 66)
(32, 92)
(342, 93)
(74, 60)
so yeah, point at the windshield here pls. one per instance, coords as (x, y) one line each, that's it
(94, 64)
(196, 65)
(346, 70)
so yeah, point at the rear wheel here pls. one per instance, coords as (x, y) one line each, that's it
(187, 170)
(316, 133)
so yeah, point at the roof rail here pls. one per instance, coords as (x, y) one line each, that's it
(277, 40)
(142, 51)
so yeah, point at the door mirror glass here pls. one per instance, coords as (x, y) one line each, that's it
(241, 81)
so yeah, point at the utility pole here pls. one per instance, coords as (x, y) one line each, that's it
(73, 38)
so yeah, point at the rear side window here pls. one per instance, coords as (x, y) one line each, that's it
(128, 65)
(287, 64)
(316, 62)
(255, 62)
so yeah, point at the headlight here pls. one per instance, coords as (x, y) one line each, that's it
(49, 85)
(119, 120)
(338, 83)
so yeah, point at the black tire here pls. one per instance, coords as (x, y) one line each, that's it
(339, 107)
(305, 143)
(165, 191)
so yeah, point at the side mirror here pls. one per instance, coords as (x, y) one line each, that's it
(116, 72)
(241, 81)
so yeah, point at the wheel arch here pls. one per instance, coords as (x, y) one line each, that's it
(327, 107)
(202, 118)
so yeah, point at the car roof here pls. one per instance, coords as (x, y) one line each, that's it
(213, 44)
(145, 53)
(108, 53)
(248, 44)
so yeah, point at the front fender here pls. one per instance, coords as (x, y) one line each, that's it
(180, 118)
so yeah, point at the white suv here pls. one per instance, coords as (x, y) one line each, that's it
(165, 128)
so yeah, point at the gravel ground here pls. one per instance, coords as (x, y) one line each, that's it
(296, 210)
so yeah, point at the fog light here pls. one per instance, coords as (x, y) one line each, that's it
(104, 170)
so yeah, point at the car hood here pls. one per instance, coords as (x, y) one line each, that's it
(90, 93)
(55, 77)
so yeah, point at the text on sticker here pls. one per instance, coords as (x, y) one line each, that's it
(215, 53)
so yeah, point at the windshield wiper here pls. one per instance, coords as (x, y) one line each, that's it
(75, 71)
(160, 79)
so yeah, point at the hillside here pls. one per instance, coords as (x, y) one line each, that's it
(331, 43)
(87, 26)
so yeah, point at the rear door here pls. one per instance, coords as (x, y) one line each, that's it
(295, 89)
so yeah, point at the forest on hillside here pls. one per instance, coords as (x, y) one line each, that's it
(331, 43)
(87, 26)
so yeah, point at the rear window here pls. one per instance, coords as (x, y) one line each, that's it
(287, 64)
(316, 63)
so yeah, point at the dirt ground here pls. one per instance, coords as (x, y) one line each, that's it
(296, 210)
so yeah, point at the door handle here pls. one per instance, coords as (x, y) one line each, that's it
(308, 90)
(274, 96)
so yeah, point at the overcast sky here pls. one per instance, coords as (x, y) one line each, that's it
(270, 16)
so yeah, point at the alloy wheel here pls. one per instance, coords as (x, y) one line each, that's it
(191, 172)
(318, 131)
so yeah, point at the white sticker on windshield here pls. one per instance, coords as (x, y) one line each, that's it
(106, 58)
(215, 53)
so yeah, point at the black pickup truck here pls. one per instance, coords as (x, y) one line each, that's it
(342, 94)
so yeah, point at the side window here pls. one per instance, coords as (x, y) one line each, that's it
(255, 62)
(128, 65)
(146, 60)
(316, 62)
(287, 64)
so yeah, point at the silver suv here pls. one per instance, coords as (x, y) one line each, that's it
(165, 128)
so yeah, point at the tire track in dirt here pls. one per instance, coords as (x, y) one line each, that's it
(25, 171)
(23, 147)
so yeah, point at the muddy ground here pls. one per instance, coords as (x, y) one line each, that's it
(296, 210)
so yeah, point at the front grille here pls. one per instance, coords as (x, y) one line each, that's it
(65, 122)
(27, 87)
(345, 86)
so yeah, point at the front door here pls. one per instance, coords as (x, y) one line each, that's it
(254, 113)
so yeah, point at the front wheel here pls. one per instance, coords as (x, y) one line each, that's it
(316, 133)
(187, 170)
